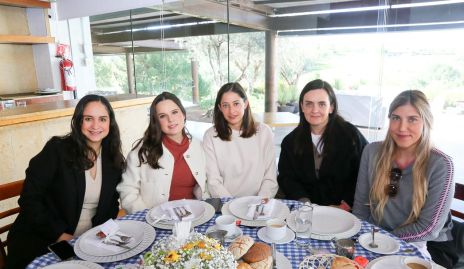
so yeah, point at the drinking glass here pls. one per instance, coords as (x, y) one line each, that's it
(303, 225)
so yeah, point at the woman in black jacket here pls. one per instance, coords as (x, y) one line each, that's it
(70, 185)
(319, 159)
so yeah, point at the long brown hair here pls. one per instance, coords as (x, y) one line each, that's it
(152, 149)
(384, 159)
(83, 155)
(223, 130)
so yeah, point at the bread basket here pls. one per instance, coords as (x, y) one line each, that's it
(322, 261)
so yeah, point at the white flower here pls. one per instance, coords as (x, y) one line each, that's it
(197, 252)
(192, 264)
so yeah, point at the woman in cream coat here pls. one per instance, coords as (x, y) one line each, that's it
(167, 163)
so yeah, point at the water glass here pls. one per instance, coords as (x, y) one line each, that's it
(303, 225)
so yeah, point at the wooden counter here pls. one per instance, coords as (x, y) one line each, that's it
(43, 111)
(32, 98)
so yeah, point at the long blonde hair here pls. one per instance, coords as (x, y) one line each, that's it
(384, 160)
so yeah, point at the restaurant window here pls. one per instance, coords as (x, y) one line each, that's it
(368, 56)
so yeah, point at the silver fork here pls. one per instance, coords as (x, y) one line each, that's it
(261, 213)
(181, 212)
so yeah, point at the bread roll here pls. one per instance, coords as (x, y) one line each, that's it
(240, 246)
(264, 264)
(343, 263)
(244, 265)
(258, 252)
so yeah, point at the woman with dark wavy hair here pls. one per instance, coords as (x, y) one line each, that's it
(319, 159)
(70, 185)
(166, 163)
(239, 151)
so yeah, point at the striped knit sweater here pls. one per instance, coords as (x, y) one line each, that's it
(434, 222)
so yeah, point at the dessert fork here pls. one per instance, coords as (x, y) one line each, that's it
(181, 212)
(116, 243)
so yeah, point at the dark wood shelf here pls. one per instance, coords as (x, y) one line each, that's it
(25, 3)
(25, 39)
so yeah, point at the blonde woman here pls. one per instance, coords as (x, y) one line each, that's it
(405, 185)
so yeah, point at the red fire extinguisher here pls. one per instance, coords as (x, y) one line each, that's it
(68, 80)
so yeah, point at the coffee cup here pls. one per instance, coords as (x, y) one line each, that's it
(226, 223)
(276, 229)
(344, 247)
(218, 235)
(416, 263)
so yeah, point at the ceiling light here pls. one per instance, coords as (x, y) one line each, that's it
(330, 11)
(426, 4)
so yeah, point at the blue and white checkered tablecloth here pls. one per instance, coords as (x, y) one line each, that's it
(294, 253)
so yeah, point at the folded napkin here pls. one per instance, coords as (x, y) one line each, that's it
(168, 208)
(267, 210)
(109, 236)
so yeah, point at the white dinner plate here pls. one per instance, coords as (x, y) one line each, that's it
(344, 234)
(209, 212)
(289, 236)
(393, 261)
(91, 244)
(239, 208)
(328, 220)
(281, 211)
(385, 243)
(74, 265)
(148, 236)
(196, 207)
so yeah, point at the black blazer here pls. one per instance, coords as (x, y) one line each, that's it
(337, 174)
(52, 199)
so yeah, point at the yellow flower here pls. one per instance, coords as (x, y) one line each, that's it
(205, 256)
(217, 246)
(171, 257)
(201, 244)
(188, 246)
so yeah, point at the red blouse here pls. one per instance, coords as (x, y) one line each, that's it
(182, 182)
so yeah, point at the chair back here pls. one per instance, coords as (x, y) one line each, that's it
(8, 190)
(457, 209)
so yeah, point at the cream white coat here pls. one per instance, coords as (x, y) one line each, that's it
(144, 187)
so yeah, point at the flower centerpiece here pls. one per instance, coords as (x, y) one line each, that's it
(196, 252)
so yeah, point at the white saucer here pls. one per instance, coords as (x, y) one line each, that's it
(385, 243)
(228, 238)
(289, 236)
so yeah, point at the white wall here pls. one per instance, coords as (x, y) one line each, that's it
(76, 33)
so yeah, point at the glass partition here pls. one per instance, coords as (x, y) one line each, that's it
(368, 50)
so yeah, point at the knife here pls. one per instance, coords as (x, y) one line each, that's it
(274, 257)
(255, 215)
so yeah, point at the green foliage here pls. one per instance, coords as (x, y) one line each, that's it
(286, 94)
(206, 96)
(169, 71)
(111, 73)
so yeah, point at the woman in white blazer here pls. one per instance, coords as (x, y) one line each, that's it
(166, 163)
